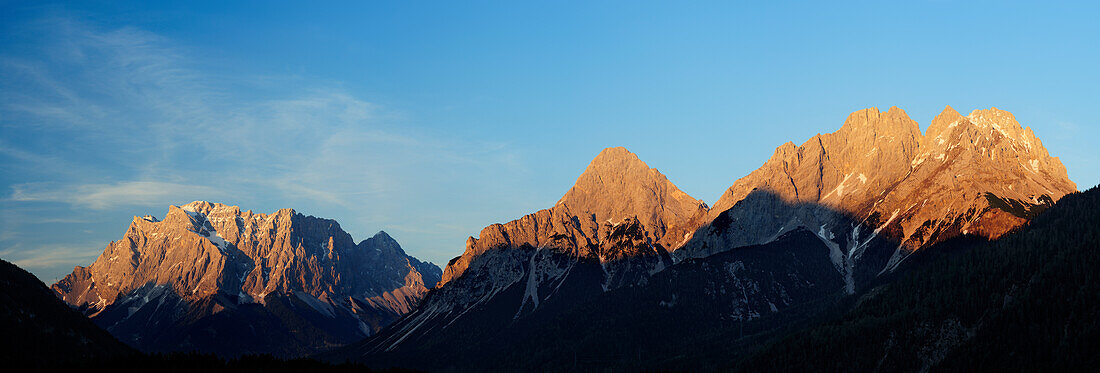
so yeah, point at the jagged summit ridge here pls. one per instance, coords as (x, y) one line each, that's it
(977, 174)
(209, 258)
(997, 136)
(841, 168)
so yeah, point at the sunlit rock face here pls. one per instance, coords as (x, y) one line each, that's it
(842, 169)
(266, 281)
(616, 187)
(813, 184)
(877, 189)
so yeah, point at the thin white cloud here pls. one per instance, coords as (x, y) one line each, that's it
(105, 196)
(50, 256)
(136, 121)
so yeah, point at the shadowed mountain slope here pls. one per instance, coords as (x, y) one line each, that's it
(41, 330)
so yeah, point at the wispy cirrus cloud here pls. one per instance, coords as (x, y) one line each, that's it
(51, 257)
(104, 196)
(122, 120)
(143, 108)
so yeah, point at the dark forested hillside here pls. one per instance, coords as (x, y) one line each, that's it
(39, 328)
(1029, 301)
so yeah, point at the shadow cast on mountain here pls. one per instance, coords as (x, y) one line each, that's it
(729, 301)
(706, 313)
(860, 248)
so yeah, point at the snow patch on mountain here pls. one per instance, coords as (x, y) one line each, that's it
(532, 291)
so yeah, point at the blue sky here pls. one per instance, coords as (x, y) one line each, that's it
(431, 120)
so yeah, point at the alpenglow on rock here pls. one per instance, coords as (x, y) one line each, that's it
(877, 189)
(616, 187)
(212, 278)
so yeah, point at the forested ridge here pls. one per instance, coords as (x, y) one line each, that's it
(1025, 302)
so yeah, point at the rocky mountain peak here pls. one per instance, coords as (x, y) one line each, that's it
(892, 122)
(872, 126)
(989, 125)
(382, 235)
(993, 136)
(202, 206)
(1005, 124)
(615, 155)
(943, 121)
(383, 242)
(617, 185)
(982, 174)
(614, 170)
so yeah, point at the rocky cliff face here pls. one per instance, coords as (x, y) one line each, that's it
(877, 189)
(981, 174)
(842, 170)
(208, 261)
(814, 185)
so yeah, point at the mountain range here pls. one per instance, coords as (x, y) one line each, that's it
(815, 223)
(625, 271)
(214, 279)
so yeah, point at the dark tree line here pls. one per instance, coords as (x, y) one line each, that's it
(1029, 301)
